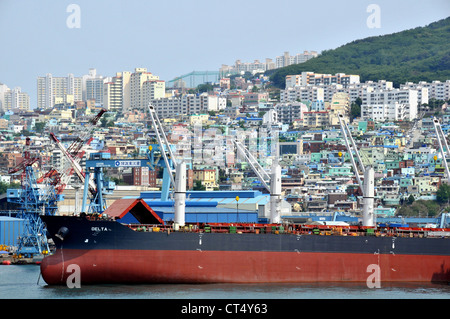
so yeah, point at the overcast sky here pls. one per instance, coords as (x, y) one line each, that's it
(171, 38)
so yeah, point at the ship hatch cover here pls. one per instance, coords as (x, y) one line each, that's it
(136, 207)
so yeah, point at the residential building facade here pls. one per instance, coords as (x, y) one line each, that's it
(389, 105)
(51, 90)
(188, 104)
(142, 86)
(315, 79)
(16, 99)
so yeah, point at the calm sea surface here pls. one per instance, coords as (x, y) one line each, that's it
(24, 282)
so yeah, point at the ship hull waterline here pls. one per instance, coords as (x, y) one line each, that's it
(156, 266)
(109, 252)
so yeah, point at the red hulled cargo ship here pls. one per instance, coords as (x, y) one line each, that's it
(107, 251)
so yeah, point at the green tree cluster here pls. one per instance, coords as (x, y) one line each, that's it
(443, 194)
(4, 186)
(419, 54)
(355, 110)
(422, 208)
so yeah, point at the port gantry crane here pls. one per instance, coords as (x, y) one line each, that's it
(179, 181)
(40, 195)
(33, 201)
(368, 185)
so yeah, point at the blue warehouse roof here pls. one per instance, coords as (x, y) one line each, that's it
(204, 206)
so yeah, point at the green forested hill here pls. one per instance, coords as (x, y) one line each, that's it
(419, 54)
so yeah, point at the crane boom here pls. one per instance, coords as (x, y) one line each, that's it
(72, 155)
(348, 136)
(273, 185)
(73, 167)
(179, 182)
(28, 160)
(368, 187)
(259, 171)
(85, 135)
(162, 141)
(442, 143)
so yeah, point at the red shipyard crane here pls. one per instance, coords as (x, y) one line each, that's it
(73, 156)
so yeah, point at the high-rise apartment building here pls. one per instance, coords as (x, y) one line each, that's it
(286, 59)
(52, 90)
(422, 91)
(389, 105)
(151, 90)
(242, 67)
(435, 90)
(93, 86)
(315, 79)
(113, 93)
(16, 99)
(3, 89)
(127, 91)
(257, 66)
(302, 93)
(288, 112)
(188, 104)
(354, 90)
(143, 86)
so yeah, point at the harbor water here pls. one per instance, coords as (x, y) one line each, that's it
(25, 282)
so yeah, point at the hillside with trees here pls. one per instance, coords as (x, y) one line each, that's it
(419, 54)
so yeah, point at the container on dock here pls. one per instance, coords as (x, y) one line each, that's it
(10, 230)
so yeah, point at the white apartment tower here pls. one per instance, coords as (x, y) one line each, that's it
(52, 90)
(286, 59)
(389, 105)
(113, 93)
(316, 79)
(153, 89)
(188, 104)
(438, 90)
(16, 99)
(139, 93)
(3, 89)
(422, 91)
(242, 67)
(93, 87)
(302, 93)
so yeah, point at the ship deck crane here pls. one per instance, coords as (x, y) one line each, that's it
(445, 153)
(368, 186)
(442, 140)
(179, 181)
(271, 182)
